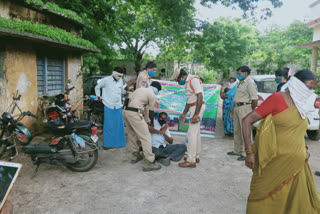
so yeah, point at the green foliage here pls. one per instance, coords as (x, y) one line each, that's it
(209, 76)
(278, 48)
(45, 30)
(225, 44)
(52, 6)
(247, 6)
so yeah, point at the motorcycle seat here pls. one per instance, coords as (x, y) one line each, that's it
(80, 125)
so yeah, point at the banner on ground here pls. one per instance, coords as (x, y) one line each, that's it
(172, 100)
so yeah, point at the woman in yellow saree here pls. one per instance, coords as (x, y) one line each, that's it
(282, 182)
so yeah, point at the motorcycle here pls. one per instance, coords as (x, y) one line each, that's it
(95, 109)
(73, 145)
(59, 110)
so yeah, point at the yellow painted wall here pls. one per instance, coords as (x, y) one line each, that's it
(21, 74)
(73, 72)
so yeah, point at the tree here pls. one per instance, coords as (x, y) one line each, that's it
(225, 44)
(246, 6)
(278, 48)
(130, 26)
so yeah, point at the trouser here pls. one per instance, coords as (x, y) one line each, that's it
(137, 128)
(175, 152)
(194, 138)
(239, 113)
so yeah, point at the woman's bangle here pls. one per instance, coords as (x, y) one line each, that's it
(249, 151)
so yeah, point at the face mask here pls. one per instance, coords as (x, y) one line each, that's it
(240, 77)
(151, 72)
(116, 75)
(278, 80)
(155, 90)
(312, 91)
(162, 122)
(232, 85)
(182, 82)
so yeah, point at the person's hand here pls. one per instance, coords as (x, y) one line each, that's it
(182, 118)
(164, 129)
(195, 118)
(308, 156)
(250, 160)
(231, 114)
(157, 105)
(99, 98)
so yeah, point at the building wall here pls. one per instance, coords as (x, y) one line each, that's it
(20, 74)
(12, 10)
(73, 72)
(4, 9)
(316, 32)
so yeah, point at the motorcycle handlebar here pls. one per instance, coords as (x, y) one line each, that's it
(69, 89)
(28, 113)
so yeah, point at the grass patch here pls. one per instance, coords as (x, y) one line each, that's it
(52, 6)
(54, 33)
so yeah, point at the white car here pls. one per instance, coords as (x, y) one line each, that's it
(266, 86)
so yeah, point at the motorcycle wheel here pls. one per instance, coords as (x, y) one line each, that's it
(87, 160)
(96, 118)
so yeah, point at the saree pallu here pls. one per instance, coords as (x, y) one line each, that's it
(282, 182)
(228, 104)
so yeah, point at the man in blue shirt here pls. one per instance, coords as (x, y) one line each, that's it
(160, 135)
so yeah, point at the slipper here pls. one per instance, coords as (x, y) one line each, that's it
(232, 153)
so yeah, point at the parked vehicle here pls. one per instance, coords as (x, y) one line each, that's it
(73, 145)
(59, 111)
(95, 110)
(89, 84)
(266, 86)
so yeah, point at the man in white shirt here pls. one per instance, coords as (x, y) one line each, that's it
(113, 128)
(160, 135)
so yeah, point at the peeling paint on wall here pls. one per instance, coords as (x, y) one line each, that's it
(23, 84)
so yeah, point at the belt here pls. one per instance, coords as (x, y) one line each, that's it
(127, 108)
(241, 104)
(195, 103)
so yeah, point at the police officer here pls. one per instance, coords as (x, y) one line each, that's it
(245, 101)
(196, 106)
(137, 127)
(144, 80)
(144, 77)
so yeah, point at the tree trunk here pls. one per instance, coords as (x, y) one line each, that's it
(137, 62)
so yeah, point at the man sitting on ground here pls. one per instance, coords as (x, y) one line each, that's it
(160, 134)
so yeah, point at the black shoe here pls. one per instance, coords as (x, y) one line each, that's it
(164, 161)
(241, 158)
(317, 173)
(232, 153)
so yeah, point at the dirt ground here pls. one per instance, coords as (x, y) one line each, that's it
(219, 184)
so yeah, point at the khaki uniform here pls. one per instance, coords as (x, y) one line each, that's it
(246, 93)
(143, 81)
(194, 86)
(136, 126)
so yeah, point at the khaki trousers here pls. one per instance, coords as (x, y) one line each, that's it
(194, 138)
(239, 113)
(137, 128)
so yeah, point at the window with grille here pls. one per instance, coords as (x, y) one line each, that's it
(50, 75)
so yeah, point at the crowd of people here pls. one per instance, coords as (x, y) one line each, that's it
(282, 181)
(149, 137)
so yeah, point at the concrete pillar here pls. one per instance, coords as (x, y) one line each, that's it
(314, 61)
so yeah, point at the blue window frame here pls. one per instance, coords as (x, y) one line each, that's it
(50, 75)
